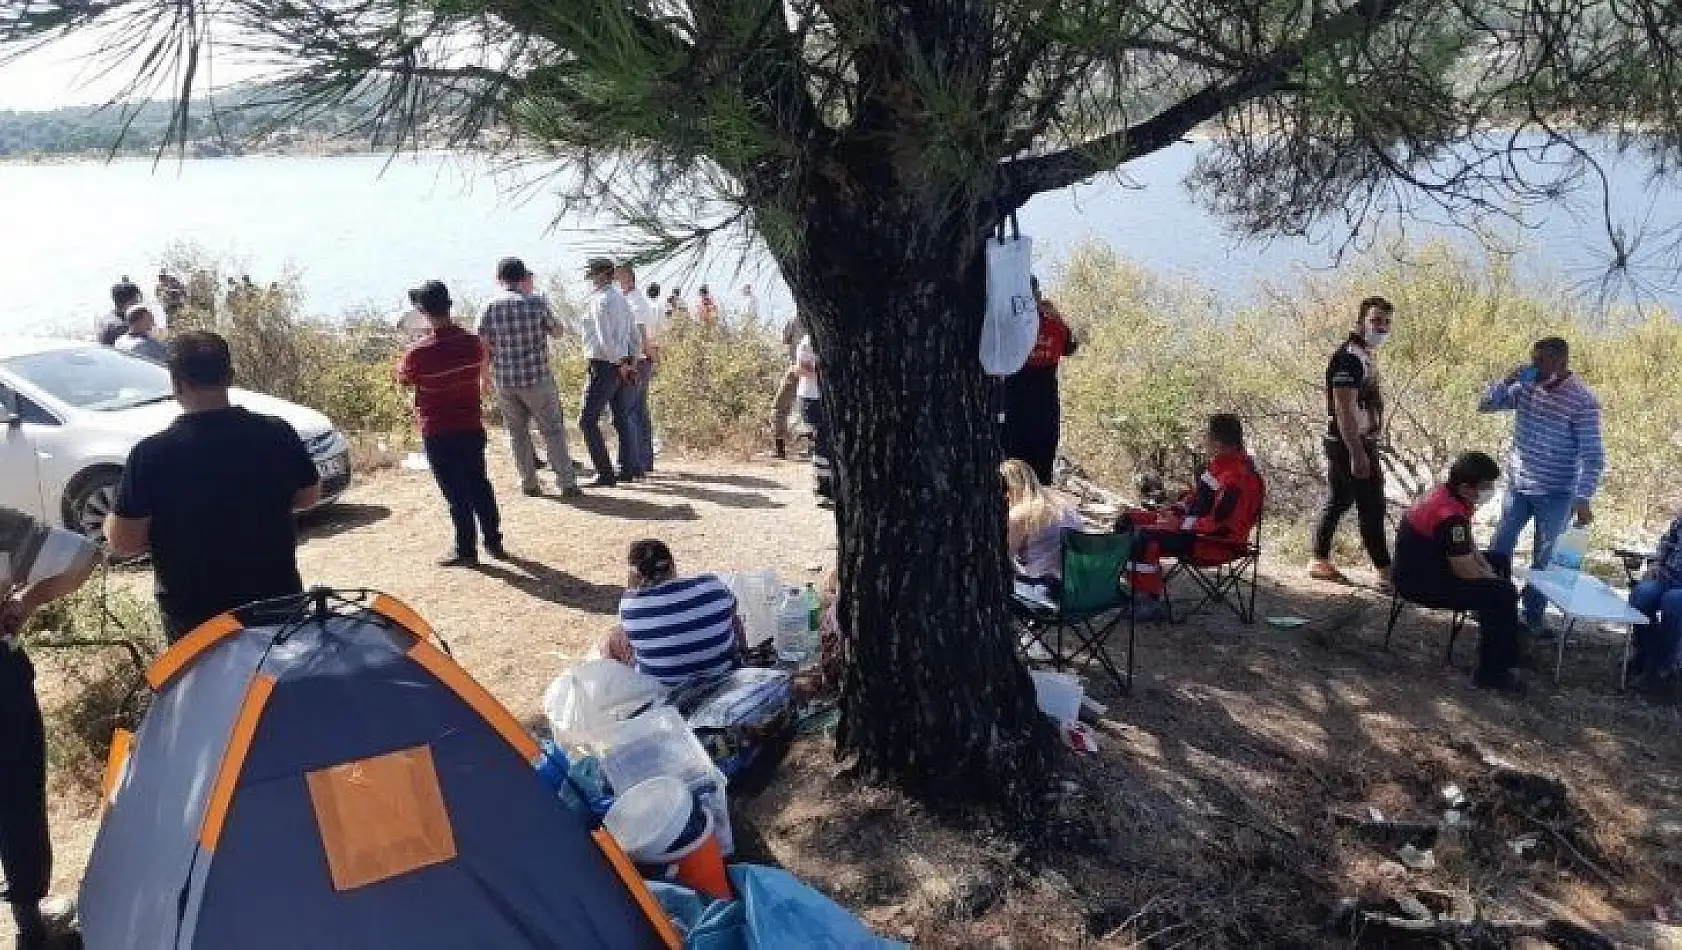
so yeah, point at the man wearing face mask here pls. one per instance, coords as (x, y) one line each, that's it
(1355, 417)
(1557, 457)
(1438, 566)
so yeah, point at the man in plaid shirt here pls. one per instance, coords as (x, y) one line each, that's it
(516, 326)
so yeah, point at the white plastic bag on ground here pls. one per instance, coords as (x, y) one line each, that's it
(1012, 322)
(585, 701)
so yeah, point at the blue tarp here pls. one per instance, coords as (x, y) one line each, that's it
(773, 910)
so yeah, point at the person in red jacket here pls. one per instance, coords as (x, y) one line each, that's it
(1033, 410)
(1210, 524)
(1437, 565)
(444, 367)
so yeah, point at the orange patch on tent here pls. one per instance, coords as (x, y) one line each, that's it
(633, 882)
(188, 648)
(381, 817)
(233, 760)
(476, 696)
(403, 615)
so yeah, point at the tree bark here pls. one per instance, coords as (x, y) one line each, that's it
(935, 698)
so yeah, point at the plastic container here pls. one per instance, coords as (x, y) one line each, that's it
(791, 642)
(1571, 548)
(659, 743)
(652, 818)
(756, 593)
(1058, 694)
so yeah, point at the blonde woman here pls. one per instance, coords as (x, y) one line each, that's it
(1034, 530)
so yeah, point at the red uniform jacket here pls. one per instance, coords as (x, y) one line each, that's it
(1227, 499)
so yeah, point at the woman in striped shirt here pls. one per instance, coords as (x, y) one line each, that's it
(674, 629)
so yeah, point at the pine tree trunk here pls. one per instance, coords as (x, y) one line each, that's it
(935, 698)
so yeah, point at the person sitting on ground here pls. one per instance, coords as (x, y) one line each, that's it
(1034, 528)
(1658, 643)
(1208, 525)
(674, 629)
(1437, 565)
(139, 341)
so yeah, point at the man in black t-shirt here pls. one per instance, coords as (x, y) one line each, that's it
(213, 496)
(1437, 565)
(1354, 419)
(124, 296)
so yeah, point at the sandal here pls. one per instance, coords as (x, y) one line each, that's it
(1326, 572)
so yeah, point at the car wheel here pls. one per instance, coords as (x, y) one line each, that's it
(93, 497)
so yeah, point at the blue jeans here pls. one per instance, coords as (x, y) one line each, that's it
(1550, 513)
(1656, 641)
(638, 410)
(602, 390)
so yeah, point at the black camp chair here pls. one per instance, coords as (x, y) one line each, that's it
(1456, 622)
(1093, 603)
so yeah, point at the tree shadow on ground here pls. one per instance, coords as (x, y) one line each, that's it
(606, 502)
(338, 518)
(733, 481)
(557, 587)
(1209, 815)
(724, 499)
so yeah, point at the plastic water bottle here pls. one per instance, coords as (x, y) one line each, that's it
(791, 639)
(814, 624)
(1571, 548)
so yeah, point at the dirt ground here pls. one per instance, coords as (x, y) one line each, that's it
(1208, 817)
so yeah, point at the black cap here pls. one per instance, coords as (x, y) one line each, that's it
(432, 298)
(511, 270)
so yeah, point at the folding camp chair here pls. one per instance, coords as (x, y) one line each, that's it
(1456, 623)
(1092, 587)
(1230, 580)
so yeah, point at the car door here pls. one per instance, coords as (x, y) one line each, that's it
(20, 463)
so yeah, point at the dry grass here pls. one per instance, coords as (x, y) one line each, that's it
(1204, 821)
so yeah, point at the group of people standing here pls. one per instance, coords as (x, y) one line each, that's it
(507, 354)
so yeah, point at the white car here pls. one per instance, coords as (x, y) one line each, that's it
(70, 412)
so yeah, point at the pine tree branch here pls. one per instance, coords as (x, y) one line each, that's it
(1029, 177)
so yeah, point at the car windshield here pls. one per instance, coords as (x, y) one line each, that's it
(94, 377)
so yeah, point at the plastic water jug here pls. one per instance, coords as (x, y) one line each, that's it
(792, 641)
(756, 593)
(1571, 548)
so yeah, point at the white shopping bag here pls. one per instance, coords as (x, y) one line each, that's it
(1012, 322)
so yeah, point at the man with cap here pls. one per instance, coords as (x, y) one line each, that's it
(445, 367)
(610, 344)
(515, 328)
(138, 340)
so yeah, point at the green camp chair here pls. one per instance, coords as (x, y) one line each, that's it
(1093, 565)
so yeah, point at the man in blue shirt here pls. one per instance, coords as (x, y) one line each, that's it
(1557, 457)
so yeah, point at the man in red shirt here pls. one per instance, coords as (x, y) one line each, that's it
(444, 367)
(1210, 524)
(1437, 565)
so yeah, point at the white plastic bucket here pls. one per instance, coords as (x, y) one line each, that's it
(650, 818)
(1058, 694)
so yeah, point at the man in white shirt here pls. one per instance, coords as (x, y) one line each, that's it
(811, 410)
(611, 344)
(647, 327)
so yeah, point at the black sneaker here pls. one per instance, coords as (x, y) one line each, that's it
(458, 559)
(496, 550)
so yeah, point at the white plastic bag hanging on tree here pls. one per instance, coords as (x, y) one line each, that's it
(1012, 321)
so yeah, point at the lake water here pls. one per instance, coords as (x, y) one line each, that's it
(359, 230)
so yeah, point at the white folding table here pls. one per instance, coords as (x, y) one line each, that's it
(1585, 597)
